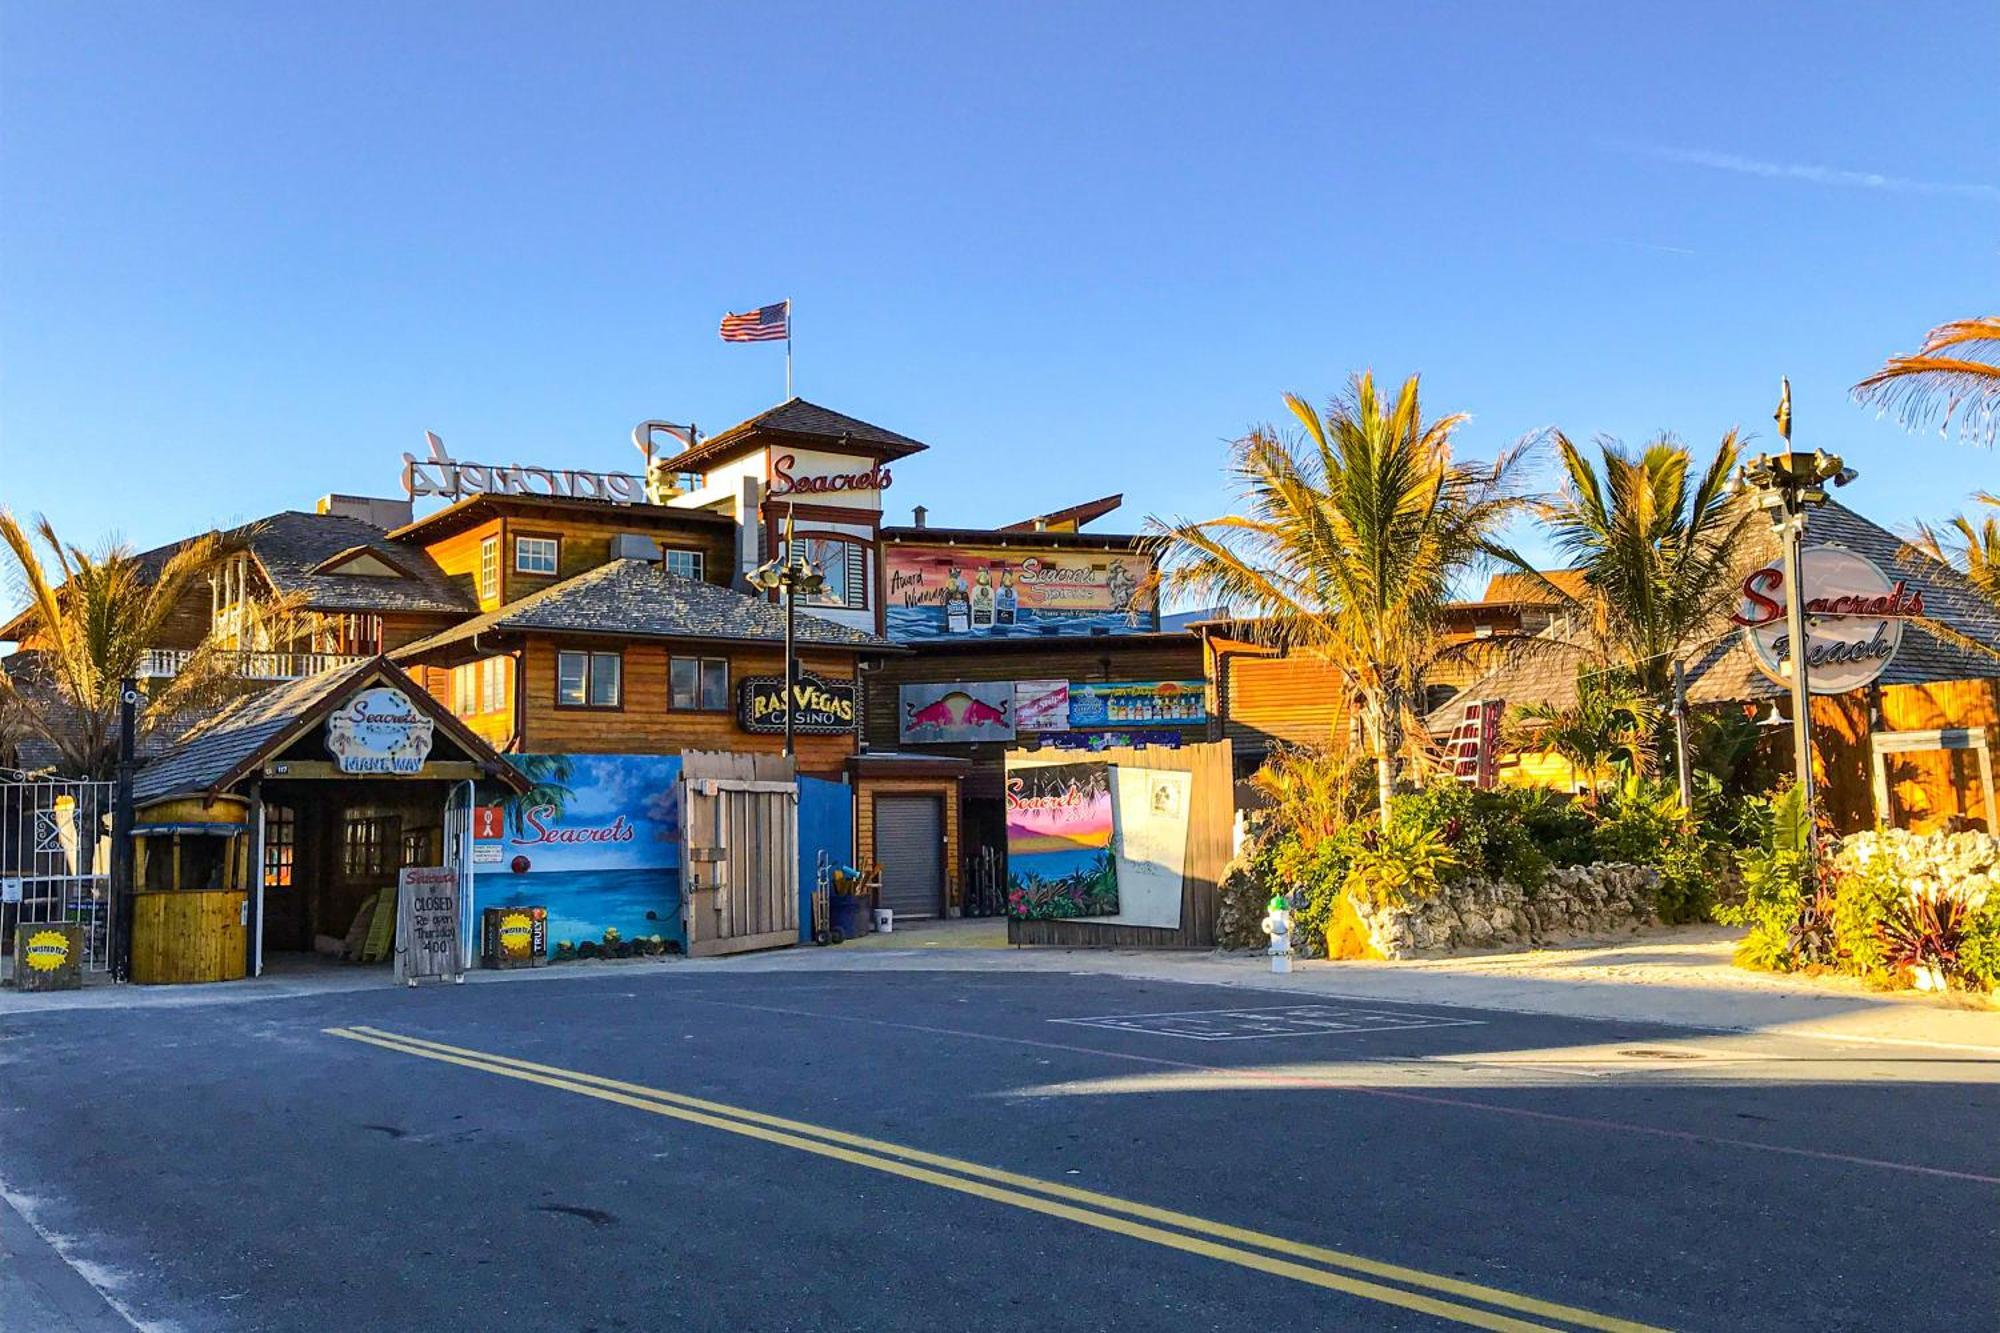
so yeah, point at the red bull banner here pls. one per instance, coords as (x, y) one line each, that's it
(980, 710)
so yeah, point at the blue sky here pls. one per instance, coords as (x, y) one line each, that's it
(249, 253)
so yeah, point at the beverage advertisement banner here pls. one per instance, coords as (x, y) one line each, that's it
(981, 710)
(596, 840)
(995, 592)
(1059, 856)
(1136, 703)
(1041, 705)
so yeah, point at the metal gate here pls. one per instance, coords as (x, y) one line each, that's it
(909, 846)
(55, 863)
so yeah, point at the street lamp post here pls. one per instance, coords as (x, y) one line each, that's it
(788, 575)
(1787, 485)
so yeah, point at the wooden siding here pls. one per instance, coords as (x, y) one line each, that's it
(1295, 700)
(946, 790)
(1211, 837)
(458, 556)
(645, 725)
(586, 544)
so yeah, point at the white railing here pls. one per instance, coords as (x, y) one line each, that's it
(165, 663)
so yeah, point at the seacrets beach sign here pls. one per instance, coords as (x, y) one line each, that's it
(1854, 618)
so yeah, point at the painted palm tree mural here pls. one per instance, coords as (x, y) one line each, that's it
(550, 776)
(1059, 857)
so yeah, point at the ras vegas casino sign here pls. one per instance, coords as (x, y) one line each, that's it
(1854, 618)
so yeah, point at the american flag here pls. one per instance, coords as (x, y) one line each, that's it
(772, 323)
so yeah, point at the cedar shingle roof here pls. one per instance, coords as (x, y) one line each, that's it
(208, 753)
(1519, 589)
(290, 546)
(637, 599)
(211, 749)
(1727, 670)
(800, 419)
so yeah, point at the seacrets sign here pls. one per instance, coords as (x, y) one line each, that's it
(444, 476)
(379, 731)
(1854, 618)
(825, 475)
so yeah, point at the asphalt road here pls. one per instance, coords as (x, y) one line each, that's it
(646, 1148)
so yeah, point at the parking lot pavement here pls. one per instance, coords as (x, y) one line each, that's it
(813, 1149)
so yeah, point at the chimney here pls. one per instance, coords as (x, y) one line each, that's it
(917, 515)
(385, 514)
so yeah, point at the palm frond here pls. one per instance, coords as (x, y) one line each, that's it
(1954, 375)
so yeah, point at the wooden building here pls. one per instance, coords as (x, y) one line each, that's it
(1910, 748)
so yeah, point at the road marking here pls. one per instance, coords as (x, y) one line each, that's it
(1011, 1188)
(1255, 1077)
(1290, 1020)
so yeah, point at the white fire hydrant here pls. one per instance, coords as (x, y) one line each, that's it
(1278, 925)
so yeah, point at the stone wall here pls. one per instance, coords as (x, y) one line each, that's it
(1595, 899)
(1965, 866)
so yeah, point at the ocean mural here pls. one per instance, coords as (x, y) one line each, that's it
(1059, 856)
(596, 839)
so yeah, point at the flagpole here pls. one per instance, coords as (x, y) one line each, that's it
(788, 351)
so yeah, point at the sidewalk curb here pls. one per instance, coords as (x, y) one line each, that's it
(42, 1290)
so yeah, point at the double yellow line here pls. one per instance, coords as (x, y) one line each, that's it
(1314, 1265)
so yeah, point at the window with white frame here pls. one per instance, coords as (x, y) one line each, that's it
(844, 563)
(589, 680)
(537, 555)
(687, 564)
(493, 685)
(489, 569)
(698, 683)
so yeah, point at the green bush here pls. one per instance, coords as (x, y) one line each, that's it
(1405, 864)
(1979, 955)
(1645, 824)
(1862, 901)
(1311, 878)
(1484, 830)
(1774, 876)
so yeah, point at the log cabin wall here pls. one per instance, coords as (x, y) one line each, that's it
(644, 724)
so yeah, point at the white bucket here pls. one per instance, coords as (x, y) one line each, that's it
(885, 920)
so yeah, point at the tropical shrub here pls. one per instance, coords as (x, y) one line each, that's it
(1483, 830)
(1645, 824)
(1774, 876)
(1404, 863)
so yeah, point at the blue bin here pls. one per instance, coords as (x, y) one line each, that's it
(850, 915)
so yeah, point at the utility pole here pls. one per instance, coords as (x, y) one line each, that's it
(121, 834)
(1680, 714)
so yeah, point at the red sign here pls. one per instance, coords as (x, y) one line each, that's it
(783, 482)
(489, 823)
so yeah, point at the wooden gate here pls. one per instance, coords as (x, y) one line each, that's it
(740, 830)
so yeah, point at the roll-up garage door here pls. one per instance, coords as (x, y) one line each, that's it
(909, 846)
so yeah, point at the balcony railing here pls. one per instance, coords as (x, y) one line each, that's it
(166, 663)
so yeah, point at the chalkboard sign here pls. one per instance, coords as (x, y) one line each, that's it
(427, 935)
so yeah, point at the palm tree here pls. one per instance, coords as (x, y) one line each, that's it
(92, 626)
(1353, 536)
(1660, 551)
(1973, 552)
(1955, 373)
(1610, 725)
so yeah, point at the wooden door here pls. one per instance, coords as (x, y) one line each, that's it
(740, 836)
